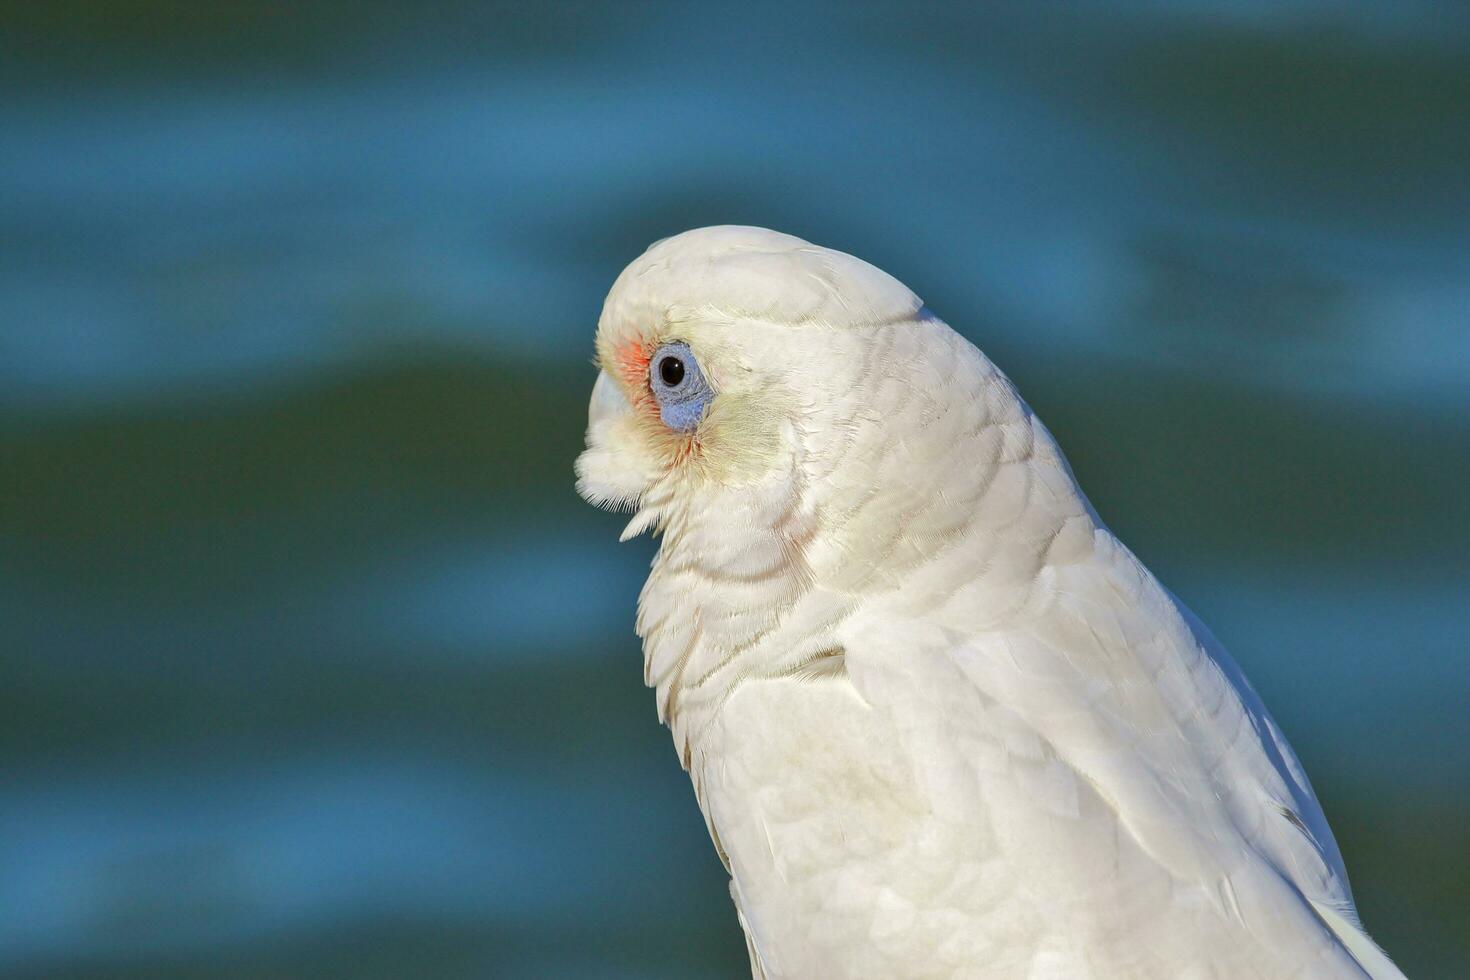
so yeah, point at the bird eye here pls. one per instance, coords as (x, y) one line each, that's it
(679, 386)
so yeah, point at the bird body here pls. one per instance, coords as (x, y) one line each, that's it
(939, 720)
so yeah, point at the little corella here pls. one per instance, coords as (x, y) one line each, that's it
(939, 720)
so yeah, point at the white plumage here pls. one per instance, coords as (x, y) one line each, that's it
(940, 722)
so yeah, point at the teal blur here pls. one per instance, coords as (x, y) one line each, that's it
(312, 664)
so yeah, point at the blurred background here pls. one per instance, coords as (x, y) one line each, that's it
(312, 663)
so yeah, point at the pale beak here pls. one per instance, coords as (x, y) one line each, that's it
(608, 401)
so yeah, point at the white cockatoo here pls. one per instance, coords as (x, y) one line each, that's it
(939, 720)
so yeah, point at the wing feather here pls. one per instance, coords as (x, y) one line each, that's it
(1114, 712)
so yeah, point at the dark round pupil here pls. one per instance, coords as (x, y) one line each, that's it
(671, 369)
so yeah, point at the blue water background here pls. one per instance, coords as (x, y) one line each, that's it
(313, 664)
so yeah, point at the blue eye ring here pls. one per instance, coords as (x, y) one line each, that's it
(679, 386)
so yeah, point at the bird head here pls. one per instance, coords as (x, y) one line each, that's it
(723, 351)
